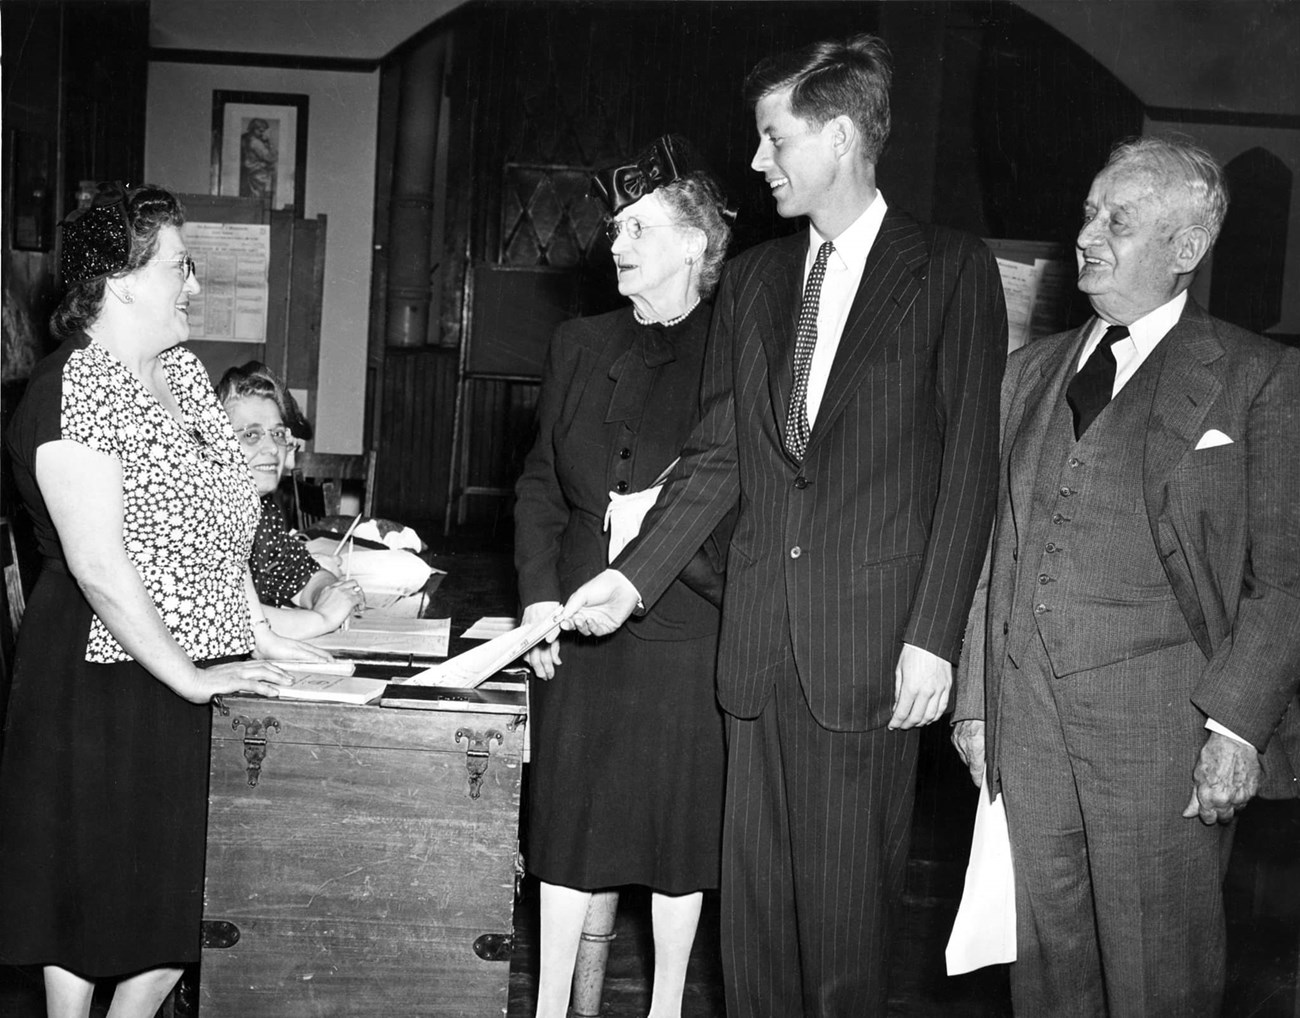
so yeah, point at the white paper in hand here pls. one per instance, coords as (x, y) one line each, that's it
(984, 932)
(474, 666)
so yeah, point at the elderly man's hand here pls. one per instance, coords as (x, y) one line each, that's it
(1226, 777)
(601, 604)
(968, 737)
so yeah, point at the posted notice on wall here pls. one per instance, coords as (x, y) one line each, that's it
(232, 261)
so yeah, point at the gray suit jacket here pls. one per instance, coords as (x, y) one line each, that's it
(876, 537)
(1225, 521)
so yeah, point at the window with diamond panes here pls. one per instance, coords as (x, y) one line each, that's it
(547, 219)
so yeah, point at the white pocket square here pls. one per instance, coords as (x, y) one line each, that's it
(1212, 438)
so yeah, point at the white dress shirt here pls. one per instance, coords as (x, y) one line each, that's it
(840, 285)
(1144, 335)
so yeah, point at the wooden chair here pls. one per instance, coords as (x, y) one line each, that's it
(319, 479)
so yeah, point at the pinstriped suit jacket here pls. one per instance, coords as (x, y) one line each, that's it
(1225, 521)
(876, 539)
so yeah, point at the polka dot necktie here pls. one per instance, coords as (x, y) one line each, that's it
(796, 421)
(1090, 390)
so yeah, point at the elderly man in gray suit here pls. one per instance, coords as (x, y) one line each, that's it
(850, 407)
(1136, 636)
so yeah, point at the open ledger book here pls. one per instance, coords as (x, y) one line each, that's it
(467, 670)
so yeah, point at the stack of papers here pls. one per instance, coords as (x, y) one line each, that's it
(367, 637)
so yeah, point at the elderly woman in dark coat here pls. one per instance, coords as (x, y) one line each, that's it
(627, 764)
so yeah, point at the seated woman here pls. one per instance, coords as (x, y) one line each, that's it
(300, 597)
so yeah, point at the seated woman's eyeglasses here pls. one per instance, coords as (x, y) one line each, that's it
(252, 434)
(633, 226)
(190, 269)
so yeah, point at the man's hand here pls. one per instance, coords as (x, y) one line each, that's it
(922, 683)
(601, 604)
(968, 737)
(544, 657)
(1226, 777)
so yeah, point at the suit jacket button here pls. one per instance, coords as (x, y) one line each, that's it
(1005, 629)
(796, 551)
(624, 453)
(801, 482)
(1041, 609)
(1066, 491)
(621, 487)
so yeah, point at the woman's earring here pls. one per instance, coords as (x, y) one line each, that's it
(128, 297)
(690, 260)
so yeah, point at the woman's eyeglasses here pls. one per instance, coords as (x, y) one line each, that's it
(188, 267)
(633, 226)
(251, 435)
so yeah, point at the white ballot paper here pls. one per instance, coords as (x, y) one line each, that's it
(469, 669)
(984, 932)
(489, 626)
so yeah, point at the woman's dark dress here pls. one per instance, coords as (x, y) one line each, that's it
(103, 782)
(281, 564)
(627, 753)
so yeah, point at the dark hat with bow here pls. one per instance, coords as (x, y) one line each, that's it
(97, 239)
(670, 157)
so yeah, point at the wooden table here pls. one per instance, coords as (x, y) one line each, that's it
(362, 860)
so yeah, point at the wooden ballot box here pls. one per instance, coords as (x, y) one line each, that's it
(362, 859)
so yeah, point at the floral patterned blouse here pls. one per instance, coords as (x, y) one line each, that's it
(189, 505)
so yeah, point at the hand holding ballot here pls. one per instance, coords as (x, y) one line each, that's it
(600, 605)
(545, 656)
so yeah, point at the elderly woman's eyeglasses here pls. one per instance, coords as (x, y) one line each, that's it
(188, 269)
(252, 434)
(633, 226)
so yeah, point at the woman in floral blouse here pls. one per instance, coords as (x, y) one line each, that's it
(144, 610)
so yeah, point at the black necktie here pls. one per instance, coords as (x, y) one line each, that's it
(1090, 390)
(796, 421)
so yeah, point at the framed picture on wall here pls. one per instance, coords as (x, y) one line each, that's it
(259, 147)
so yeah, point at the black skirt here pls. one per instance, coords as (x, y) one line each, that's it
(627, 767)
(103, 803)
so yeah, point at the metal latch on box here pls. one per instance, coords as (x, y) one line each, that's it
(478, 750)
(254, 742)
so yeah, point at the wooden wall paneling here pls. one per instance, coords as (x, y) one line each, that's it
(419, 390)
(1049, 114)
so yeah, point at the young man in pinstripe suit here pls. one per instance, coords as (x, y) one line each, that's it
(850, 409)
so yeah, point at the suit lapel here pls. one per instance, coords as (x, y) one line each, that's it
(777, 295)
(1030, 411)
(1185, 391)
(891, 282)
(1188, 385)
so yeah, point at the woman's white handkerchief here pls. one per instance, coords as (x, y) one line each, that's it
(984, 932)
(624, 514)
